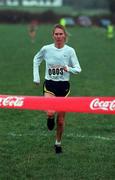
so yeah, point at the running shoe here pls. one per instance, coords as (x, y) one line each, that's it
(58, 149)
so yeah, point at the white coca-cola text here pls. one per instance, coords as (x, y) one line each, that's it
(12, 101)
(97, 104)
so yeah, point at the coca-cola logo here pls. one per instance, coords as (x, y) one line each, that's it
(97, 104)
(12, 101)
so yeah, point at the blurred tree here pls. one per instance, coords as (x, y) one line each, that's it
(20, 2)
(112, 6)
(5, 2)
(88, 4)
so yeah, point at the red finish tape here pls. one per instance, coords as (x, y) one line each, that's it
(99, 105)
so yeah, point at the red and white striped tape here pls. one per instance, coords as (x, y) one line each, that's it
(100, 105)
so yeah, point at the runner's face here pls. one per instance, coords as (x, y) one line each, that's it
(59, 37)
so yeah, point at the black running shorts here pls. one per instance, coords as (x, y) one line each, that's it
(57, 88)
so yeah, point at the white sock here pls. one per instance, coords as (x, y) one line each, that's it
(57, 143)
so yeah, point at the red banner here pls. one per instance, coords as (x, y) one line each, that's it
(100, 105)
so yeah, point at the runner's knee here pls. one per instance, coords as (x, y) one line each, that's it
(50, 113)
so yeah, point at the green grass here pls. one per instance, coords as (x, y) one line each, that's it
(26, 147)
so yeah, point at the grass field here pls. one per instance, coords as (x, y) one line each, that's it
(26, 146)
